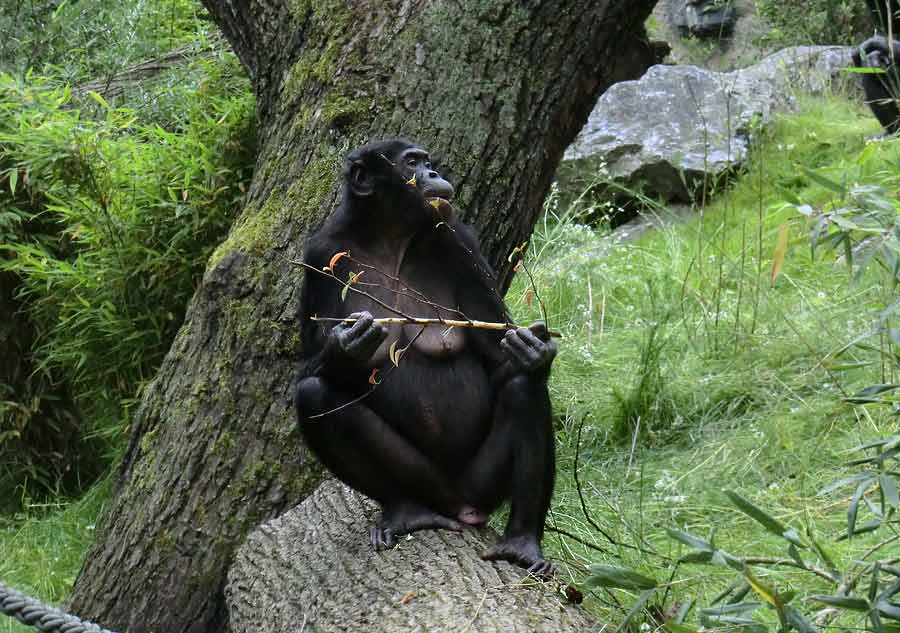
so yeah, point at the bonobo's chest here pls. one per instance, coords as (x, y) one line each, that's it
(420, 285)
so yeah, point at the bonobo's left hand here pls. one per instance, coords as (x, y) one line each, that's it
(531, 348)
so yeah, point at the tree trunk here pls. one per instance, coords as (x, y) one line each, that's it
(284, 578)
(500, 88)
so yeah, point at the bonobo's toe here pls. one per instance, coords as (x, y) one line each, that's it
(403, 518)
(382, 537)
(523, 551)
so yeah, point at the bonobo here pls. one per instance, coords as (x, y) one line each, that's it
(882, 89)
(462, 421)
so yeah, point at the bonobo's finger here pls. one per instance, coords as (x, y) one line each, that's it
(530, 339)
(513, 346)
(363, 321)
(373, 336)
(539, 328)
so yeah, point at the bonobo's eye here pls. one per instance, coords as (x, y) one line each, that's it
(427, 164)
(411, 162)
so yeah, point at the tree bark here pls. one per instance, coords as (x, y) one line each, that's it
(500, 88)
(284, 578)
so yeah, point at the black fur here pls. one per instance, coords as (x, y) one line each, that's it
(464, 421)
(882, 90)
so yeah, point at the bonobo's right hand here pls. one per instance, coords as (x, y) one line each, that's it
(357, 341)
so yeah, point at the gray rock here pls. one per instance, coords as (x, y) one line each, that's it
(312, 569)
(679, 126)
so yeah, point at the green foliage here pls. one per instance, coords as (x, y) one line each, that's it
(745, 382)
(77, 40)
(107, 224)
(816, 21)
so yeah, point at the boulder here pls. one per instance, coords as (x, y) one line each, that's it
(678, 127)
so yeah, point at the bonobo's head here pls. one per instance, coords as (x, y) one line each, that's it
(397, 177)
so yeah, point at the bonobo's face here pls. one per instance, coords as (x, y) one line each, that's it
(414, 162)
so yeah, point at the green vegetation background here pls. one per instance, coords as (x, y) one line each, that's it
(685, 370)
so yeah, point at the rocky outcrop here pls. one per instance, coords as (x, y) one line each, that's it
(680, 127)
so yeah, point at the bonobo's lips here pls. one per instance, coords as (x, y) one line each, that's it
(443, 194)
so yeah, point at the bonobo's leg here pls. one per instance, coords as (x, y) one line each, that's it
(367, 454)
(517, 461)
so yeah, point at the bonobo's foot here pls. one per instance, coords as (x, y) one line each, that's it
(471, 516)
(524, 551)
(402, 518)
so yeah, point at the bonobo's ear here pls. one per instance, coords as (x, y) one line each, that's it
(360, 179)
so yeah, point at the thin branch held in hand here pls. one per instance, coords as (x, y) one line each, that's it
(350, 287)
(481, 325)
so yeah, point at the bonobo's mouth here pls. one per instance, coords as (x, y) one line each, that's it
(443, 195)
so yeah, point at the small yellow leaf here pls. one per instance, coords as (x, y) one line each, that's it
(407, 597)
(392, 352)
(763, 591)
(184, 195)
(529, 295)
(780, 251)
(411, 182)
(518, 249)
(336, 258)
(373, 377)
(436, 203)
(354, 277)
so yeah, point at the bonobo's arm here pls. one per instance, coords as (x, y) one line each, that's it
(887, 52)
(339, 351)
(522, 350)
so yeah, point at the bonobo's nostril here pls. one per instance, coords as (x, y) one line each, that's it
(433, 174)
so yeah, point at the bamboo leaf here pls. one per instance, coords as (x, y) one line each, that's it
(763, 590)
(844, 602)
(636, 608)
(690, 540)
(827, 183)
(889, 488)
(780, 250)
(771, 524)
(620, 577)
(796, 619)
(853, 508)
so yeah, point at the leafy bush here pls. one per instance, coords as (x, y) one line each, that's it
(107, 223)
(75, 40)
(816, 21)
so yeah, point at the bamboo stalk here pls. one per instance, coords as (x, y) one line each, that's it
(481, 325)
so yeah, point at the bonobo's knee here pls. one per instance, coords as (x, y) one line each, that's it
(310, 398)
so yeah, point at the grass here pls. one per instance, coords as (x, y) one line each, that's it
(684, 372)
(690, 373)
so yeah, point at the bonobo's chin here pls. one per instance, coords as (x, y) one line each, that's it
(443, 210)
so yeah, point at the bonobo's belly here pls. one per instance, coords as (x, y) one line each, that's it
(442, 405)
